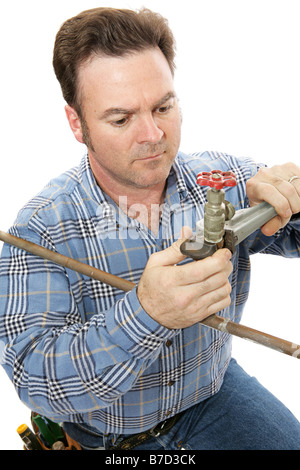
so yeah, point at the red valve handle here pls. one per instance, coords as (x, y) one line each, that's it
(216, 179)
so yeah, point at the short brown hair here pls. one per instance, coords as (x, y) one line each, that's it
(106, 31)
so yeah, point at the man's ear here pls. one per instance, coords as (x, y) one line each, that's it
(75, 123)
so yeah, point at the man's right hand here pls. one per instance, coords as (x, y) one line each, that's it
(180, 296)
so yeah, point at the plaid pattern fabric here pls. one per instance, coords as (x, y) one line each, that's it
(78, 350)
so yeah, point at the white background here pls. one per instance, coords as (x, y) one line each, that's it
(238, 82)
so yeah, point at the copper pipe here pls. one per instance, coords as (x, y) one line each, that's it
(214, 321)
(235, 329)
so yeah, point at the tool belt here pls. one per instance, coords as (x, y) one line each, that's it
(47, 435)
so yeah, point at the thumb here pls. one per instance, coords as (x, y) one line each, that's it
(171, 255)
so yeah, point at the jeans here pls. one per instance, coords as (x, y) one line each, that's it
(243, 415)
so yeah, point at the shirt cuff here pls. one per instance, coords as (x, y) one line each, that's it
(134, 330)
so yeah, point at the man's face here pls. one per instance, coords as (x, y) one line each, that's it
(131, 119)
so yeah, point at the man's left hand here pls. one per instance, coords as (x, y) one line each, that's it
(277, 186)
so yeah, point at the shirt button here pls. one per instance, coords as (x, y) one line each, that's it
(169, 343)
(171, 383)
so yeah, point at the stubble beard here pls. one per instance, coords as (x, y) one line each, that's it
(147, 150)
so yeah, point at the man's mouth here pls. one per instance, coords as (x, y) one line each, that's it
(152, 157)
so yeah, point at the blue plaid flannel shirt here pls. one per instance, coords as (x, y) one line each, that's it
(80, 351)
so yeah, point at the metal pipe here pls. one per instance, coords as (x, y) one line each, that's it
(246, 221)
(235, 329)
(213, 321)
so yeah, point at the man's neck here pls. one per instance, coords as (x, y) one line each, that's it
(146, 206)
(141, 203)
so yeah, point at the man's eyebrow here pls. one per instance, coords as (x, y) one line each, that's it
(115, 111)
(166, 98)
(111, 111)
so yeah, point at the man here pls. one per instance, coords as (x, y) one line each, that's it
(138, 370)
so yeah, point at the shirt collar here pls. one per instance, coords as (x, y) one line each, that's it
(176, 186)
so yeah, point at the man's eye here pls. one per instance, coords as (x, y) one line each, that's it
(164, 109)
(120, 122)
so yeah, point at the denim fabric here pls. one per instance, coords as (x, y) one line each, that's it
(243, 415)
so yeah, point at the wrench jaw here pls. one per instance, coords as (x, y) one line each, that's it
(198, 247)
(197, 250)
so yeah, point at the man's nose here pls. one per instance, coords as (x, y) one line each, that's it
(148, 130)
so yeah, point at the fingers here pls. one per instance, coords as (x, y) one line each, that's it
(193, 304)
(216, 300)
(275, 186)
(180, 296)
(199, 271)
(210, 294)
(274, 225)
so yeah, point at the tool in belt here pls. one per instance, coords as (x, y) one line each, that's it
(45, 435)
